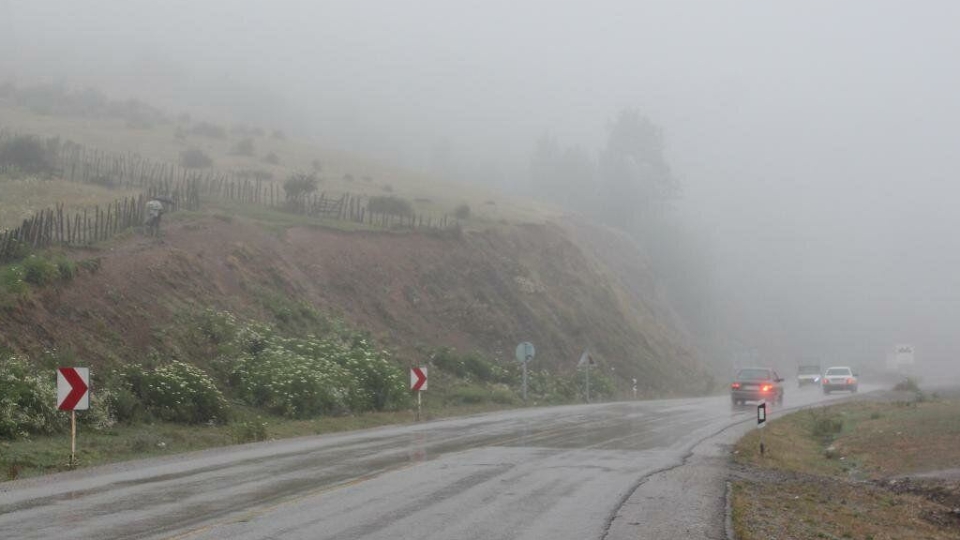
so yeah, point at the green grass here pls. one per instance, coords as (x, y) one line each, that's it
(277, 221)
(875, 439)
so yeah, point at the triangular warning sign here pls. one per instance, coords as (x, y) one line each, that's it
(586, 360)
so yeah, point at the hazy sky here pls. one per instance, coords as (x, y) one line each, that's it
(817, 141)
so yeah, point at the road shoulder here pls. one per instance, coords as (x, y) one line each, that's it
(687, 501)
(853, 470)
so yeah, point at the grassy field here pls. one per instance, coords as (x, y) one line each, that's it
(23, 196)
(827, 472)
(48, 454)
(339, 171)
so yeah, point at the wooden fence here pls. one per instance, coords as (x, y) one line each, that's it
(181, 187)
(54, 226)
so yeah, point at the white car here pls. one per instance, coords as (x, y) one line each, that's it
(839, 378)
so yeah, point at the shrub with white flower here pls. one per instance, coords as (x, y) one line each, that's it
(27, 400)
(310, 376)
(177, 392)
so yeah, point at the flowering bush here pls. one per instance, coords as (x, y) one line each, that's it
(338, 372)
(311, 376)
(177, 392)
(284, 382)
(302, 377)
(27, 400)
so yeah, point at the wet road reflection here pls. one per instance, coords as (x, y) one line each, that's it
(608, 445)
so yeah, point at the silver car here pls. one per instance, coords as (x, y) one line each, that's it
(839, 378)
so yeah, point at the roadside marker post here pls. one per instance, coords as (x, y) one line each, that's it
(525, 353)
(418, 383)
(586, 362)
(634, 388)
(73, 394)
(761, 421)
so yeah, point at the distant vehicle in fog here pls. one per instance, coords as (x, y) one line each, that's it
(756, 384)
(808, 374)
(840, 379)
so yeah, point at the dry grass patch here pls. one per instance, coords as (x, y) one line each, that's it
(907, 438)
(801, 510)
(26, 195)
(826, 473)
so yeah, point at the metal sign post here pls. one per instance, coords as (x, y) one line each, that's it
(586, 361)
(524, 382)
(73, 385)
(73, 438)
(588, 382)
(525, 353)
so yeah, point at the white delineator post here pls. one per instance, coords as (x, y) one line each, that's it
(761, 422)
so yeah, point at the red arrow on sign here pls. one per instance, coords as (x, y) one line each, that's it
(418, 379)
(77, 389)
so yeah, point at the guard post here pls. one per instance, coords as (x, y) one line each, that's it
(761, 421)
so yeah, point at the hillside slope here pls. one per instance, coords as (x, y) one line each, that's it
(485, 290)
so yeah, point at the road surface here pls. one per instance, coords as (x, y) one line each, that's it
(607, 471)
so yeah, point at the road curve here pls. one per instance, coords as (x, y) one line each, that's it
(559, 472)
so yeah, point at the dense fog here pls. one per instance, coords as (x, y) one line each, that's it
(814, 144)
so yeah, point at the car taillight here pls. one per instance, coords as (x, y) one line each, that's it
(765, 388)
(849, 381)
(735, 385)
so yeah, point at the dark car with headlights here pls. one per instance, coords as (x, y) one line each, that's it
(756, 384)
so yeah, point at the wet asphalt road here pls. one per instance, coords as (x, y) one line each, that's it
(563, 472)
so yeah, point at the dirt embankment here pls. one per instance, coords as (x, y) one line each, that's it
(484, 290)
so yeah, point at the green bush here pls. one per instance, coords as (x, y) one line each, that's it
(126, 405)
(391, 205)
(177, 392)
(101, 414)
(309, 377)
(462, 211)
(194, 158)
(468, 395)
(285, 382)
(908, 384)
(546, 387)
(12, 281)
(244, 147)
(272, 158)
(470, 366)
(39, 271)
(26, 153)
(249, 431)
(27, 401)
(473, 394)
(304, 376)
(66, 269)
(824, 425)
(299, 184)
(206, 129)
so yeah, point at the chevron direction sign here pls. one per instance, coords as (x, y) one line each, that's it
(418, 379)
(73, 389)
